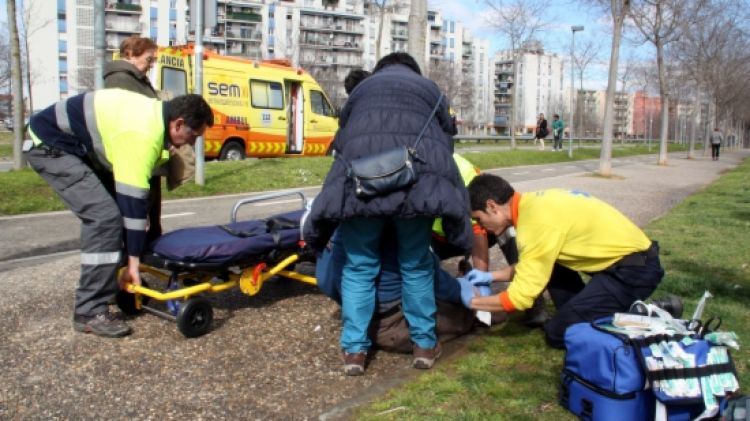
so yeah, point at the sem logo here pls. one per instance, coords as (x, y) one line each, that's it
(171, 61)
(223, 89)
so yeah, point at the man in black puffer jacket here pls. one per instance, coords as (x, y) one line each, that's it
(386, 110)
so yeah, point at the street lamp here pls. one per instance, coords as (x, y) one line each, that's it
(573, 30)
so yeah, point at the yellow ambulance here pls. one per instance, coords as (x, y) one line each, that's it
(261, 108)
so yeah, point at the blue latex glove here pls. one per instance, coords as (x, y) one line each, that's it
(478, 277)
(467, 291)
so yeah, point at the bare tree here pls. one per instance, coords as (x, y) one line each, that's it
(715, 53)
(16, 82)
(519, 21)
(31, 14)
(4, 60)
(584, 56)
(661, 22)
(618, 10)
(457, 87)
(384, 8)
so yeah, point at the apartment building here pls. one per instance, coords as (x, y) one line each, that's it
(328, 38)
(538, 87)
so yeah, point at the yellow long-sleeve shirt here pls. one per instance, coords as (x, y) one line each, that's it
(566, 227)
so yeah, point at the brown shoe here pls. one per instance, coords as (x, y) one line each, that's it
(354, 363)
(424, 359)
(103, 324)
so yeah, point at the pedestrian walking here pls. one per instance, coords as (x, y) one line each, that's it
(541, 131)
(716, 138)
(557, 131)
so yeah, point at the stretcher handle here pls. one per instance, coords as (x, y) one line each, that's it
(264, 197)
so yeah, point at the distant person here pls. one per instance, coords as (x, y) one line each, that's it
(80, 143)
(540, 132)
(716, 138)
(130, 72)
(557, 131)
(559, 234)
(353, 78)
(389, 109)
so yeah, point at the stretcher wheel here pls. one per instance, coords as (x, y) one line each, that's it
(195, 317)
(126, 301)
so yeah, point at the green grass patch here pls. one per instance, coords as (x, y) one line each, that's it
(509, 373)
(6, 145)
(23, 191)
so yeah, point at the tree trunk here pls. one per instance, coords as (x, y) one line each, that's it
(691, 146)
(17, 82)
(380, 32)
(514, 88)
(605, 159)
(664, 103)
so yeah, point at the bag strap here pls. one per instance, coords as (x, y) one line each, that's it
(429, 119)
(413, 149)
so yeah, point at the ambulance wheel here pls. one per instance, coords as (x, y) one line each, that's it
(126, 301)
(232, 151)
(195, 317)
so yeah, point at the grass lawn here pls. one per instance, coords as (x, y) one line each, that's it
(509, 373)
(6, 145)
(24, 191)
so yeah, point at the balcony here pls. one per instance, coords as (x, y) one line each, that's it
(124, 27)
(244, 35)
(244, 17)
(123, 7)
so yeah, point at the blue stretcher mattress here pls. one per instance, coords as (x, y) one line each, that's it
(232, 243)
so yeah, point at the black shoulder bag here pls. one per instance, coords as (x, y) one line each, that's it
(387, 171)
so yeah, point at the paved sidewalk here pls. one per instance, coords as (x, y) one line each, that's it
(271, 356)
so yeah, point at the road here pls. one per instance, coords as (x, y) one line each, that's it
(31, 238)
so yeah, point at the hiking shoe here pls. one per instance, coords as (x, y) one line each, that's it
(354, 363)
(424, 359)
(103, 324)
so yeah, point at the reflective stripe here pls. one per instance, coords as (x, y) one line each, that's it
(132, 191)
(134, 224)
(61, 115)
(94, 259)
(96, 138)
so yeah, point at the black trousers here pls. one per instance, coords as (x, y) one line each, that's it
(612, 290)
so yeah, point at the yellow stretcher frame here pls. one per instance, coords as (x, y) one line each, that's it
(195, 314)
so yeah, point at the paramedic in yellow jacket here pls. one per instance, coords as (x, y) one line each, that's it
(77, 141)
(560, 233)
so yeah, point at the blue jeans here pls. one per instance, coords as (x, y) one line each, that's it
(361, 238)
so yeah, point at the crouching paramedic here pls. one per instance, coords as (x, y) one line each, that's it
(77, 144)
(559, 234)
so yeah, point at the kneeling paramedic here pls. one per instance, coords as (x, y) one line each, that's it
(560, 233)
(79, 143)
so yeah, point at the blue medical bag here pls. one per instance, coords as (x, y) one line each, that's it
(606, 375)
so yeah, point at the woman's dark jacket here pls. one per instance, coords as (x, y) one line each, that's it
(386, 110)
(124, 75)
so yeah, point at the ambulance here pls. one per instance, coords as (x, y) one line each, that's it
(261, 108)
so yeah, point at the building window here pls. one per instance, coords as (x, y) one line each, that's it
(62, 46)
(62, 65)
(61, 6)
(63, 84)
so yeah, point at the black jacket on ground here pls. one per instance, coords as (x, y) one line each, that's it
(386, 110)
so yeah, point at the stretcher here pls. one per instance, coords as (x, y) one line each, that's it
(191, 262)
